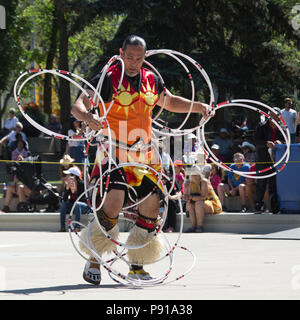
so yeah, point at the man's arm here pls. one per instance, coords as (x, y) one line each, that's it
(80, 111)
(181, 105)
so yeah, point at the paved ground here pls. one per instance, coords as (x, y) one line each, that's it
(44, 265)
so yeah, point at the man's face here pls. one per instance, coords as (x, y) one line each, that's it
(133, 58)
(288, 104)
(238, 160)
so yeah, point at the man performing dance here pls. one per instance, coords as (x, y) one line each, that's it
(141, 90)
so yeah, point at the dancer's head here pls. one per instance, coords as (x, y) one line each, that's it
(133, 53)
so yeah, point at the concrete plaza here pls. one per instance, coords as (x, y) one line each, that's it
(44, 265)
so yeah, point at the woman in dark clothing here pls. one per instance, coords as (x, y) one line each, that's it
(266, 136)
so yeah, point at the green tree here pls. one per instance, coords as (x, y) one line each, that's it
(12, 55)
(248, 48)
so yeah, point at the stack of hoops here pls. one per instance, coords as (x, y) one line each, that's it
(94, 138)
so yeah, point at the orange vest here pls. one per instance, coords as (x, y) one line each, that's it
(130, 117)
(130, 120)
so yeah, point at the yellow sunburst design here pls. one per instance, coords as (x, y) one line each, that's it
(125, 99)
(149, 95)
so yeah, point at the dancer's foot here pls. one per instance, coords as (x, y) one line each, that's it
(92, 273)
(140, 274)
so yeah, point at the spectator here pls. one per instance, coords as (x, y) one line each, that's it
(266, 136)
(15, 143)
(20, 152)
(65, 164)
(216, 177)
(192, 151)
(74, 189)
(192, 144)
(248, 150)
(215, 150)
(76, 148)
(206, 170)
(10, 123)
(14, 188)
(201, 199)
(225, 145)
(289, 115)
(236, 183)
(53, 124)
(179, 174)
(11, 138)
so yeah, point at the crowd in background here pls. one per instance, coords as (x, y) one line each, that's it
(199, 188)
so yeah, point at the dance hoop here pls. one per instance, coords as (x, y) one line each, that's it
(254, 174)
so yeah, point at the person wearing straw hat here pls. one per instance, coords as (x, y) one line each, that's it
(132, 105)
(65, 163)
(248, 150)
(200, 199)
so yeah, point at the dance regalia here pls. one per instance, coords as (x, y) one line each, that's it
(130, 122)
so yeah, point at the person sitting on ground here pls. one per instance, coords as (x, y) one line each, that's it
(216, 177)
(206, 170)
(179, 174)
(14, 188)
(200, 199)
(14, 144)
(74, 189)
(215, 150)
(236, 183)
(248, 150)
(20, 150)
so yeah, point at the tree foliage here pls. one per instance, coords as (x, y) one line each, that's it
(248, 48)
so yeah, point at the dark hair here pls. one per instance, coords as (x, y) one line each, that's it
(23, 142)
(134, 40)
(220, 171)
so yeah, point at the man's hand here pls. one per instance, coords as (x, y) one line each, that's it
(205, 111)
(270, 144)
(94, 122)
